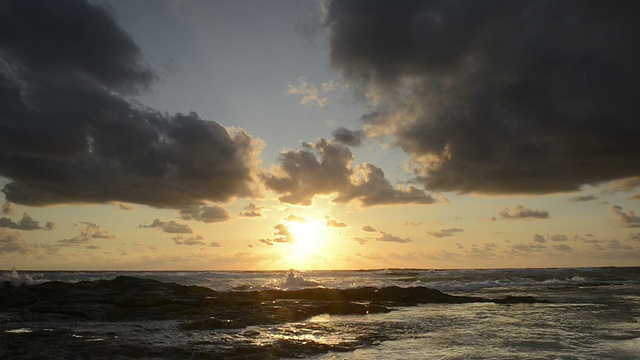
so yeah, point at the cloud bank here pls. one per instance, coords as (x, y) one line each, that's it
(70, 134)
(326, 168)
(497, 97)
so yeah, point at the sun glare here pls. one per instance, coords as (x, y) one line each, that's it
(309, 237)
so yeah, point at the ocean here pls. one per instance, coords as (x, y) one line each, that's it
(584, 313)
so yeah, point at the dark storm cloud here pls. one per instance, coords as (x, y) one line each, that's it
(170, 227)
(206, 214)
(522, 213)
(498, 96)
(25, 223)
(348, 137)
(624, 219)
(326, 168)
(69, 135)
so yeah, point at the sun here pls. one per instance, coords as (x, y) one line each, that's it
(309, 237)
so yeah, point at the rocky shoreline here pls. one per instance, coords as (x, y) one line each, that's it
(45, 308)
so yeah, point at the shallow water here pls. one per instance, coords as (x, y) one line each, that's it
(594, 314)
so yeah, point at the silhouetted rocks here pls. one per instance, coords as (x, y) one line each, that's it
(198, 308)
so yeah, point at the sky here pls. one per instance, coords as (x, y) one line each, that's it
(265, 135)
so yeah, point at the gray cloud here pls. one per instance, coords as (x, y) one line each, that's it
(360, 240)
(206, 214)
(12, 243)
(253, 210)
(634, 237)
(625, 219)
(325, 168)
(70, 135)
(386, 237)
(191, 240)
(282, 235)
(623, 185)
(25, 223)
(335, 223)
(495, 97)
(445, 232)
(171, 227)
(563, 248)
(8, 208)
(368, 228)
(539, 238)
(522, 213)
(612, 244)
(295, 218)
(580, 198)
(348, 137)
(88, 232)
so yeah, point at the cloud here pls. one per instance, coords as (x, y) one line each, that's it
(348, 137)
(563, 248)
(634, 237)
(360, 240)
(253, 210)
(580, 198)
(26, 223)
(69, 133)
(369, 228)
(310, 95)
(282, 235)
(295, 218)
(627, 184)
(12, 243)
(527, 249)
(88, 232)
(539, 238)
(206, 214)
(123, 206)
(325, 168)
(8, 208)
(386, 237)
(494, 97)
(412, 223)
(335, 223)
(634, 197)
(170, 227)
(445, 232)
(625, 219)
(612, 244)
(482, 251)
(522, 213)
(191, 240)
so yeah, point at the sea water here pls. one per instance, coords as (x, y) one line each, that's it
(594, 313)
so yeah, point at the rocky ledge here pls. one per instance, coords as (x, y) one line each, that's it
(198, 308)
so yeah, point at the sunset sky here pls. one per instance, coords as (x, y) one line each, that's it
(258, 135)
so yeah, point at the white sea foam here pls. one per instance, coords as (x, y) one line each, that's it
(16, 279)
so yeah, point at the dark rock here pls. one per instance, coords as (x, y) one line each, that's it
(198, 308)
